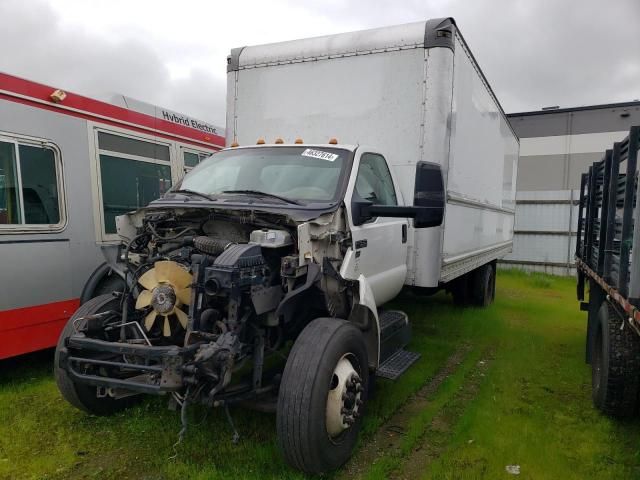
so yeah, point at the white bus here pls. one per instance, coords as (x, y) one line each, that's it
(68, 166)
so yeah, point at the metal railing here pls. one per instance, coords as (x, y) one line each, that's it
(607, 214)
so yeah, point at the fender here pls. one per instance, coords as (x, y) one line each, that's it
(365, 314)
(95, 279)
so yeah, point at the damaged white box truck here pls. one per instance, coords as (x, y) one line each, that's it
(384, 160)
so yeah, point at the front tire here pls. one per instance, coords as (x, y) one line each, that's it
(79, 395)
(326, 377)
(615, 365)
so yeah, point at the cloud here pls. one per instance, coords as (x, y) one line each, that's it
(41, 48)
(534, 53)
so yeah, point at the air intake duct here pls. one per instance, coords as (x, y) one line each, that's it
(209, 245)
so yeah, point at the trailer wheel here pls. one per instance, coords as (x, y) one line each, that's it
(615, 365)
(322, 395)
(483, 285)
(596, 299)
(82, 396)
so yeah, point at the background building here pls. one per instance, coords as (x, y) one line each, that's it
(556, 146)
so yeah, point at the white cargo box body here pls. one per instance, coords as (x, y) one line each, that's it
(415, 93)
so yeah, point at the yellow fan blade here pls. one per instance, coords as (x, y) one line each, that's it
(144, 299)
(184, 295)
(166, 328)
(170, 272)
(182, 317)
(149, 320)
(148, 280)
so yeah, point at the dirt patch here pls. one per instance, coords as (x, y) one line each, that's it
(389, 436)
(435, 436)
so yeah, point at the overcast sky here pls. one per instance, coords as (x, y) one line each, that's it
(535, 53)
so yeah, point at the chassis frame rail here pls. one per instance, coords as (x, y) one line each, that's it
(632, 312)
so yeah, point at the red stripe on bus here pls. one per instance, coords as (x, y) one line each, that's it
(28, 329)
(105, 122)
(91, 107)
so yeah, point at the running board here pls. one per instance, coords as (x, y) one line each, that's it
(397, 364)
(395, 332)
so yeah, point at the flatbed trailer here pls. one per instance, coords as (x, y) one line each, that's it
(607, 247)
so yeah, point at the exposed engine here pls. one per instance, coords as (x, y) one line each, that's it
(212, 301)
(220, 290)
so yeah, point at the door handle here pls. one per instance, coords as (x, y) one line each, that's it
(404, 233)
(361, 244)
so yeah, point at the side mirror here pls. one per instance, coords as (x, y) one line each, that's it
(429, 195)
(428, 201)
(360, 209)
(364, 210)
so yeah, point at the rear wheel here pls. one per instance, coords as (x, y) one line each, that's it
(615, 364)
(483, 285)
(596, 299)
(461, 290)
(79, 395)
(322, 396)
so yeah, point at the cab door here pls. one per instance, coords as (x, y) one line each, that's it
(379, 246)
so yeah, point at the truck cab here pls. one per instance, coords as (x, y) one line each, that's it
(256, 247)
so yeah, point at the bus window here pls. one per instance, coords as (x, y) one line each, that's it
(39, 185)
(191, 159)
(28, 185)
(132, 173)
(129, 184)
(9, 207)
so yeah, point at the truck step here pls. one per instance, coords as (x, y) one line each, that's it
(397, 364)
(395, 332)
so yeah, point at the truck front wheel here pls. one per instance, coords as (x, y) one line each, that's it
(615, 364)
(322, 394)
(83, 396)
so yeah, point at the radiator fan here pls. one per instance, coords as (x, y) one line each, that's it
(167, 287)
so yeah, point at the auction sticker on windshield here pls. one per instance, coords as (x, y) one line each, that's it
(310, 152)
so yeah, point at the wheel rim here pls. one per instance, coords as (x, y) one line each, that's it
(344, 400)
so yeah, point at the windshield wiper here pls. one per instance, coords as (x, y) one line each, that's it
(194, 193)
(258, 193)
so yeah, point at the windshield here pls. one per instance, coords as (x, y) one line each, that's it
(296, 173)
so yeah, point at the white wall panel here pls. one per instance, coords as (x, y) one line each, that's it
(582, 143)
(545, 226)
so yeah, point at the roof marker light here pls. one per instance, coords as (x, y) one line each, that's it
(333, 141)
(279, 141)
(260, 141)
(235, 144)
(58, 96)
(299, 141)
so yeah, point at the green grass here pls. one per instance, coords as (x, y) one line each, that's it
(533, 408)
